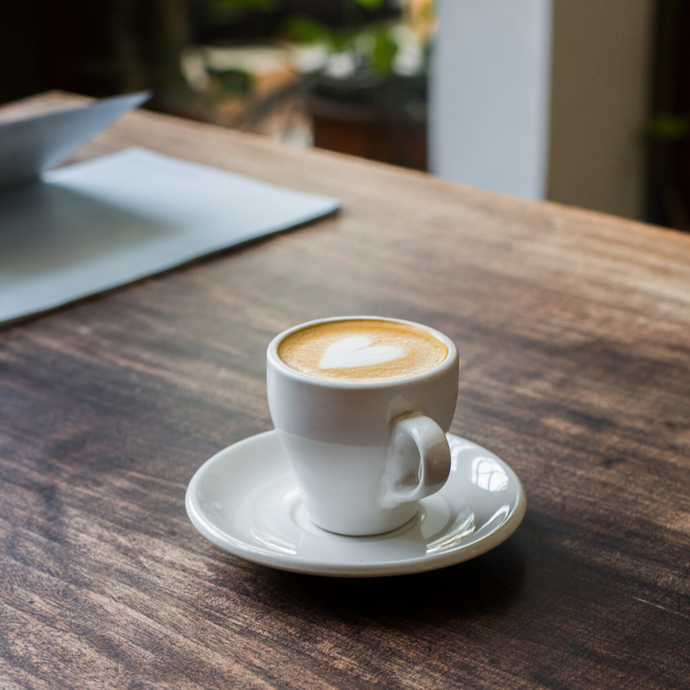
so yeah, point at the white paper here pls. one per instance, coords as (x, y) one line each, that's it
(30, 146)
(106, 222)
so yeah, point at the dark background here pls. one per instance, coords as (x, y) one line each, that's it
(86, 46)
(117, 46)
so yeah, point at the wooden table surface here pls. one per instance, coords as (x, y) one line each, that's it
(574, 336)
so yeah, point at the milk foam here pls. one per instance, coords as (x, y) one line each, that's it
(359, 350)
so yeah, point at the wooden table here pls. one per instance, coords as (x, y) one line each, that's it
(574, 337)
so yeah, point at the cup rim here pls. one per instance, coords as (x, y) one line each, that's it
(440, 369)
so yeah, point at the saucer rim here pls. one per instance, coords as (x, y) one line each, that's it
(405, 566)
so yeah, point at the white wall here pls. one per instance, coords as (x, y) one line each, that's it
(490, 94)
(544, 98)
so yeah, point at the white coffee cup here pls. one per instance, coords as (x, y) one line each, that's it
(364, 452)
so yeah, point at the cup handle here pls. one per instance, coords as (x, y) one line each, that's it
(418, 461)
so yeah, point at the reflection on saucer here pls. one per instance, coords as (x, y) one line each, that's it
(488, 474)
(245, 500)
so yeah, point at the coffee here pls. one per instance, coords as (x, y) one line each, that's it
(351, 398)
(362, 350)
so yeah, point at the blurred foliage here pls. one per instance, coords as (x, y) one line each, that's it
(369, 4)
(233, 81)
(668, 127)
(247, 5)
(371, 47)
(272, 5)
(383, 53)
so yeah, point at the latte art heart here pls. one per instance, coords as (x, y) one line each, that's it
(357, 351)
(361, 350)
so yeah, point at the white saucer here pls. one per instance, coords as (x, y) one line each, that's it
(245, 499)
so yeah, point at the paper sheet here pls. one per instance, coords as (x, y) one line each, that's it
(106, 222)
(30, 146)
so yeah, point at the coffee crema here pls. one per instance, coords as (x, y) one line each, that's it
(360, 350)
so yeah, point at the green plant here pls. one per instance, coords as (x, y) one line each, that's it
(244, 5)
(374, 50)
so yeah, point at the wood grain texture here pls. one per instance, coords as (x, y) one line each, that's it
(574, 336)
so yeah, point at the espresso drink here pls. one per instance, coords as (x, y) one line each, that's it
(362, 350)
